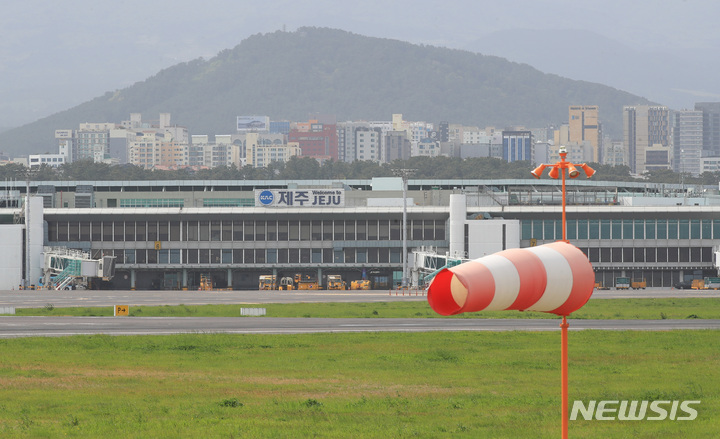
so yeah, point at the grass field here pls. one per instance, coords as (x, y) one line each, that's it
(372, 385)
(704, 308)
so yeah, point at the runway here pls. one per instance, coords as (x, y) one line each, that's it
(16, 326)
(11, 327)
(75, 298)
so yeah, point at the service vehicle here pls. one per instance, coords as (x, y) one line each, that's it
(305, 282)
(335, 282)
(638, 284)
(286, 283)
(622, 283)
(709, 283)
(712, 283)
(266, 282)
(360, 284)
(698, 284)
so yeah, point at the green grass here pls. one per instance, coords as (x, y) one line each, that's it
(703, 308)
(370, 385)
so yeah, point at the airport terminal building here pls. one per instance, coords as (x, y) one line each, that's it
(170, 234)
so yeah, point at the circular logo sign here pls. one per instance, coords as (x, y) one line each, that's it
(266, 198)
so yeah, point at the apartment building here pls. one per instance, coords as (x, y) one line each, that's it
(584, 126)
(687, 134)
(646, 134)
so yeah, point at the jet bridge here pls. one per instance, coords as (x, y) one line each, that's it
(428, 263)
(64, 268)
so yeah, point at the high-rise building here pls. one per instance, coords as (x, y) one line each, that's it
(260, 152)
(711, 127)
(646, 133)
(687, 141)
(443, 132)
(347, 149)
(368, 144)
(144, 151)
(561, 134)
(517, 145)
(110, 142)
(316, 140)
(397, 146)
(583, 126)
(92, 141)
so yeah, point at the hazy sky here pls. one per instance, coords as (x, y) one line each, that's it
(55, 55)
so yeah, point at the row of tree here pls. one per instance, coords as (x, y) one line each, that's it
(307, 168)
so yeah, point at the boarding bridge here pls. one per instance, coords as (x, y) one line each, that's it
(64, 268)
(428, 263)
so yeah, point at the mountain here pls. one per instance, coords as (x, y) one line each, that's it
(675, 76)
(293, 75)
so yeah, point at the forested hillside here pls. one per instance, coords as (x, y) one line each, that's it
(294, 75)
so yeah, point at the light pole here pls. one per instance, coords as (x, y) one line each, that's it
(404, 174)
(556, 170)
(26, 274)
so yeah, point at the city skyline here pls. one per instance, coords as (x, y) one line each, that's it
(655, 138)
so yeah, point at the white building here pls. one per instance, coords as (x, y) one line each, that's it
(368, 144)
(687, 141)
(426, 148)
(144, 151)
(52, 160)
(260, 154)
(710, 164)
(14, 247)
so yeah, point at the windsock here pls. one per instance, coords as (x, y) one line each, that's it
(556, 278)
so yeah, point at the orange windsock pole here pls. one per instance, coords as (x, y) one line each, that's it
(564, 376)
(572, 172)
(555, 278)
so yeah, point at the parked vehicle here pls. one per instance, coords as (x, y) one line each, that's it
(305, 282)
(206, 282)
(335, 282)
(712, 283)
(622, 283)
(266, 282)
(709, 283)
(698, 284)
(360, 285)
(286, 283)
(683, 285)
(638, 284)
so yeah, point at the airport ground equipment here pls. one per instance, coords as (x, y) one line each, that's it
(335, 282)
(622, 283)
(266, 282)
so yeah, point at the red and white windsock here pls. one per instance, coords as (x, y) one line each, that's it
(555, 278)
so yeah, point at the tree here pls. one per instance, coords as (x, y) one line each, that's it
(301, 168)
(85, 170)
(13, 171)
(665, 176)
(43, 173)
